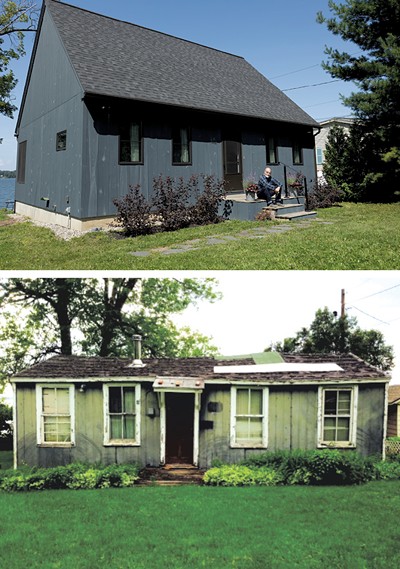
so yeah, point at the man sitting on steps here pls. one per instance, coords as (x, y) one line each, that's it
(269, 187)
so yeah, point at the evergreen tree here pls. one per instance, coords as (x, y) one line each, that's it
(373, 26)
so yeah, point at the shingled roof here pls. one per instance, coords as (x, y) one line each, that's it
(119, 59)
(79, 367)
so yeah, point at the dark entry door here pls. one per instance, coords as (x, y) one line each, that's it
(232, 148)
(179, 431)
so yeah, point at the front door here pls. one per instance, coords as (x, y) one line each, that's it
(179, 428)
(232, 149)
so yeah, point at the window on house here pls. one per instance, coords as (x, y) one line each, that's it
(320, 155)
(181, 146)
(55, 405)
(61, 140)
(272, 154)
(131, 144)
(249, 417)
(122, 414)
(297, 153)
(338, 417)
(21, 162)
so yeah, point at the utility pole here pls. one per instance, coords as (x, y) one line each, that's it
(342, 304)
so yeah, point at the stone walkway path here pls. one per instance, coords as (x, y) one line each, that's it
(253, 233)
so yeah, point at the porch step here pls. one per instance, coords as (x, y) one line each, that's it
(170, 475)
(293, 208)
(291, 215)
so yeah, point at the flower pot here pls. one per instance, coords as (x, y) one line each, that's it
(251, 196)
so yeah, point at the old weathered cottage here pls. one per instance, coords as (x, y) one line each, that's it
(161, 411)
(108, 104)
(393, 420)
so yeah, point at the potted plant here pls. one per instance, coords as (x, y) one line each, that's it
(296, 182)
(250, 188)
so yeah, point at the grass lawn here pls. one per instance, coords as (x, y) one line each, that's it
(354, 236)
(192, 527)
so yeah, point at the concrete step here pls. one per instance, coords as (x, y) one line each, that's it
(299, 215)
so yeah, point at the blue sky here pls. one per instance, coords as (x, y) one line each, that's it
(281, 39)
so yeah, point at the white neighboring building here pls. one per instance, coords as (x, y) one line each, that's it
(321, 138)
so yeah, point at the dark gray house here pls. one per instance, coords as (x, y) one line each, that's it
(163, 411)
(108, 104)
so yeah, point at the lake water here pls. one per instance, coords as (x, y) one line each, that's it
(7, 191)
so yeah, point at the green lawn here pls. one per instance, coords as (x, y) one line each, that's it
(354, 236)
(193, 527)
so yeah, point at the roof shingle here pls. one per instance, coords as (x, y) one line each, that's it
(79, 367)
(119, 59)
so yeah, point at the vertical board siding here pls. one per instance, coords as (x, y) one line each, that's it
(371, 400)
(53, 103)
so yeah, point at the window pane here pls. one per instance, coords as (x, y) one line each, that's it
(116, 426)
(129, 399)
(131, 143)
(271, 151)
(255, 430)
(129, 427)
(61, 140)
(343, 429)
(330, 429)
(241, 429)
(21, 162)
(62, 400)
(115, 400)
(330, 402)
(242, 401)
(344, 403)
(57, 429)
(256, 402)
(180, 146)
(49, 400)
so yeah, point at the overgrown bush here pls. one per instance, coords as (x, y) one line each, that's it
(387, 470)
(74, 476)
(324, 195)
(241, 475)
(175, 204)
(322, 467)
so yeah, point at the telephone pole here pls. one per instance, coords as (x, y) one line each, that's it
(342, 304)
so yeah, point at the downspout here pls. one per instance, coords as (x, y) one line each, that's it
(14, 405)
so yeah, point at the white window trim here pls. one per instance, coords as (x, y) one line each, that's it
(39, 414)
(352, 442)
(265, 397)
(121, 442)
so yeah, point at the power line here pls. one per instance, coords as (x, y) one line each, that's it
(369, 315)
(297, 71)
(312, 85)
(379, 292)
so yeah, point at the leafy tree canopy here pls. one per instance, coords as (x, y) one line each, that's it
(16, 18)
(373, 26)
(45, 316)
(331, 334)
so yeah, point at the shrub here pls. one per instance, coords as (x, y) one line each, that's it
(385, 470)
(328, 466)
(171, 202)
(134, 213)
(74, 476)
(241, 475)
(324, 195)
(175, 204)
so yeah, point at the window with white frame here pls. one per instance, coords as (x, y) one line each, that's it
(337, 416)
(320, 155)
(55, 415)
(122, 414)
(249, 410)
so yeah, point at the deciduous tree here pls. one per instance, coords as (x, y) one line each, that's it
(329, 333)
(16, 18)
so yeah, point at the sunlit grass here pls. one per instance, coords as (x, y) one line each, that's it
(351, 237)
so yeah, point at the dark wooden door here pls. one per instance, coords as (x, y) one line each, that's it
(232, 148)
(179, 431)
